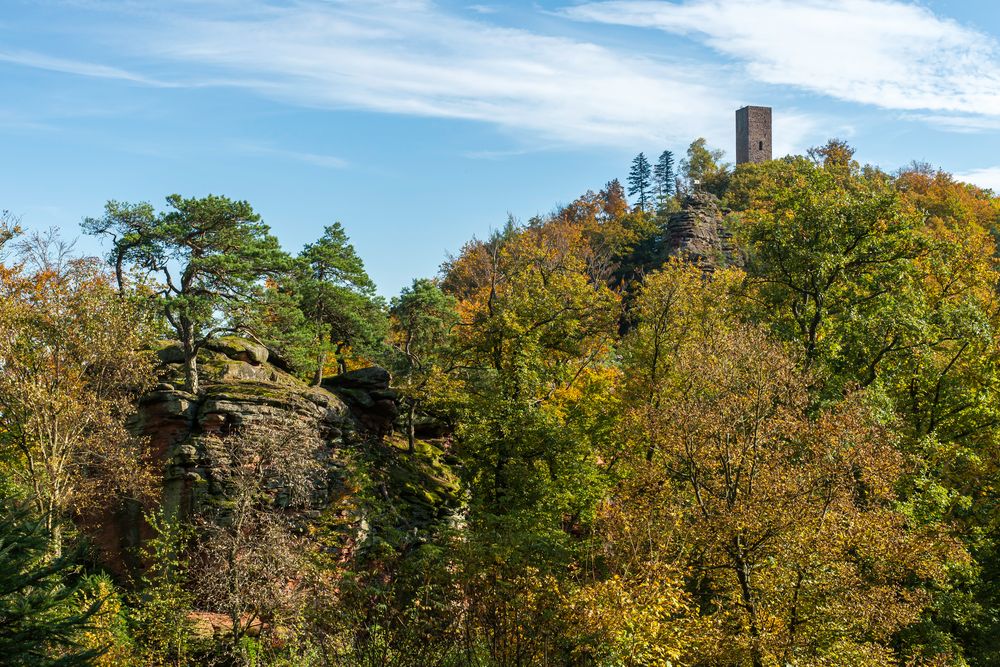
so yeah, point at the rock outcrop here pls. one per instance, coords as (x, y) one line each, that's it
(239, 388)
(353, 414)
(698, 233)
(366, 391)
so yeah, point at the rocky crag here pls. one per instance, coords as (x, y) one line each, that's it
(699, 234)
(353, 414)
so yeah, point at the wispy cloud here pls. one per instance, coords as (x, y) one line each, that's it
(77, 67)
(11, 120)
(884, 53)
(317, 159)
(985, 177)
(412, 57)
(960, 123)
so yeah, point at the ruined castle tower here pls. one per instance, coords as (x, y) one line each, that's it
(753, 134)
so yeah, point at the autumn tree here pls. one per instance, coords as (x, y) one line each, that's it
(835, 153)
(163, 599)
(640, 182)
(210, 255)
(829, 247)
(612, 231)
(531, 398)
(74, 363)
(785, 521)
(941, 388)
(613, 201)
(248, 553)
(887, 282)
(10, 228)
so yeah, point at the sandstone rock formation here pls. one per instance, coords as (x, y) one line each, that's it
(351, 414)
(697, 232)
(367, 392)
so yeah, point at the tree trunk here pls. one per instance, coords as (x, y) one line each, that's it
(320, 363)
(190, 360)
(120, 273)
(749, 604)
(411, 435)
(338, 352)
(55, 532)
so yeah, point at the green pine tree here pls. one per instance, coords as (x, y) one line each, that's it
(663, 178)
(40, 615)
(640, 181)
(210, 254)
(339, 298)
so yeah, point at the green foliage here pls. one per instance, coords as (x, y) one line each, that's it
(338, 298)
(701, 169)
(422, 319)
(41, 617)
(531, 401)
(831, 253)
(277, 319)
(640, 182)
(664, 179)
(210, 254)
(633, 462)
(160, 605)
(108, 630)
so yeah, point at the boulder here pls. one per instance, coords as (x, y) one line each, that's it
(351, 414)
(169, 352)
(239, 349)
(371, 378)
(366, 391)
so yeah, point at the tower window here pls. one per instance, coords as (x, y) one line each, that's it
(760, 145)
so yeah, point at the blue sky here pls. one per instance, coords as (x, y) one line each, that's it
(419, 124)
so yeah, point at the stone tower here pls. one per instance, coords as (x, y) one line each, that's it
(753, 134)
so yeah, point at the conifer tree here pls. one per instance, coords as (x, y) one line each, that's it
(40, 617)
(422, 318)
(339, 297)
(640, 181)
(663, 177)
(210, 254)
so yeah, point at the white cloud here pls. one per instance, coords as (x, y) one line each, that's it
(959, 123)
(880, 52)
(317, 159)
(985, 177)
(78, 67)
(795, 131)
(410, 57)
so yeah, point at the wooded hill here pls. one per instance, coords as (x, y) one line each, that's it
(752, 419)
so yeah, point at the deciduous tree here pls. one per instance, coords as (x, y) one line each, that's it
(74, 363)
(248, 555)
(702, 169)
(787, 519)
(532, 397)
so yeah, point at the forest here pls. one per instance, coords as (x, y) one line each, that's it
(715, 416)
